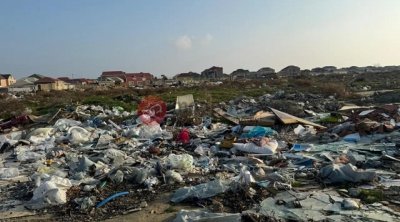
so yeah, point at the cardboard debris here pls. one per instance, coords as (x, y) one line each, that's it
(261, 118)
(289, 119)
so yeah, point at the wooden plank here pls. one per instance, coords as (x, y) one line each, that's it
(290, 119)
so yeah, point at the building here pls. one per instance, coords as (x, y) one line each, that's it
(6, 80)
(188, 78)
(213, 73)
(138, 79)
(240, 74)
(265, 72)
(125, 79)
(290, 71)
(50, 84)
(26, 84)
(3, 82)
(77, 82)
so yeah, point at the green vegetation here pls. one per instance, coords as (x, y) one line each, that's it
(371, 196)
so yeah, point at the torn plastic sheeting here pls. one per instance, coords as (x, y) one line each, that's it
(270, 148)
(302, 147)
(201, 191)
(259, 131)
(64, 124)
(53, 192)
(78, 135)
(204, 216)
(336, 173)
(149, 131)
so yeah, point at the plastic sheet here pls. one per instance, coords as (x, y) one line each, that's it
(6, 173)
(201, 191)
(253, 148)
(345, 173)
(259, 131)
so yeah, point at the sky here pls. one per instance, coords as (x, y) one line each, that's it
(83, 38)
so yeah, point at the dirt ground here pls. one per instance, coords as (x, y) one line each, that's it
(160, 210)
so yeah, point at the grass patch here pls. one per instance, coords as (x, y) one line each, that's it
(371, 196)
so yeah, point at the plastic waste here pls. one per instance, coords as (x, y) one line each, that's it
(42, 132)
(336, 173)
(270, 148)
(84, 164)
(355, 137)
(108, 199)
(182, 162)
(201, 191)
(149, 131)
(202, 150)
(64, 124)
(245, 177)
(304, 131)
(6, 173)
(184, 136)
(78, 135)
(135, 175)
(173, 177)
(53, 192)
(302, 147)
(86, 202)
(29, 156)
(151, 181)
(259, 131)
(117, 177)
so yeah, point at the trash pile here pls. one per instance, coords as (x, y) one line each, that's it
(243, 163)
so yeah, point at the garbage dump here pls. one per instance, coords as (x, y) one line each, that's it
(245, 160)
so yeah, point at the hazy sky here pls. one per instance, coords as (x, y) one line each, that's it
(86, 37)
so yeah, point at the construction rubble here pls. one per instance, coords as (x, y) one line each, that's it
(243, 160)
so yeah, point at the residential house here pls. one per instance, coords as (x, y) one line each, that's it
(290, 71)
(50, 84)
(77, 82)
(6, 80)
(3, 82)
(138, 79)
(324, 70)
(240, 74)
(125, 79)
(26, 84)
(188, 78)
(213, 73)
(265, 72)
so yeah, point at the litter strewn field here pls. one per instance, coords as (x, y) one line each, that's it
(274, 157)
